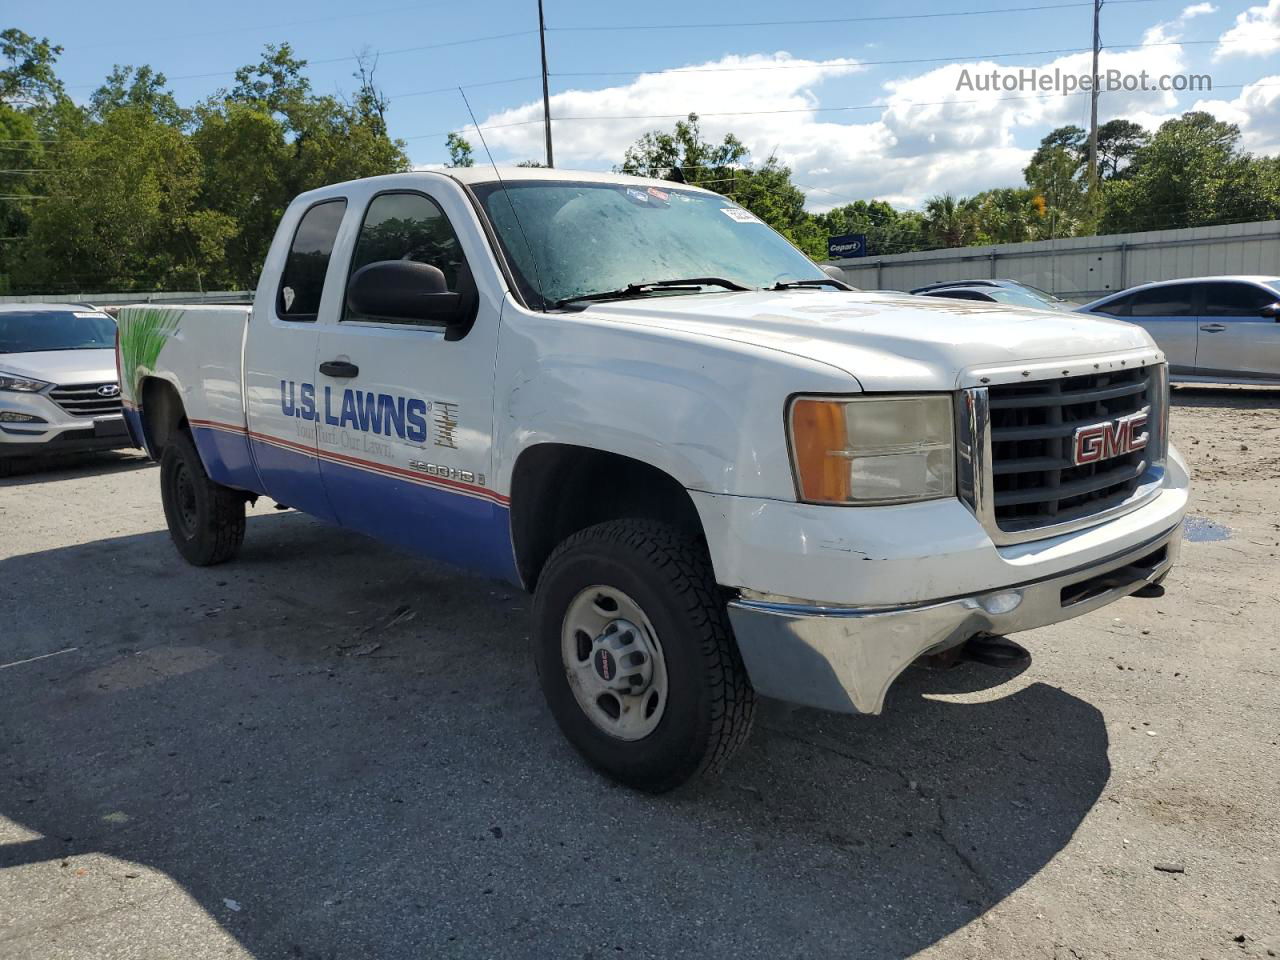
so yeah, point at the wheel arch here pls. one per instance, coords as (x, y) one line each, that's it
(558, 489)
(162, 413)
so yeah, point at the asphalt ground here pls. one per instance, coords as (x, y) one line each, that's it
(328, 750)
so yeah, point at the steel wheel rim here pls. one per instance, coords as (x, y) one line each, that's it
(184, 497)
(613, 663)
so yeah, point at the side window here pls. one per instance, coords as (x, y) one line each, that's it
(1236, 300)
(1118, 307)
(407, 226)
(302, 281)
(1171, 301)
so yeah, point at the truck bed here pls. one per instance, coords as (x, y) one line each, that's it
(206, 371)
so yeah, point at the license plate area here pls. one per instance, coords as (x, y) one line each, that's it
(110, 429)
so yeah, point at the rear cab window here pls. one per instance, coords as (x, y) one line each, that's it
(302, 280)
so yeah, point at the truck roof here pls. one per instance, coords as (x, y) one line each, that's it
(485, 173)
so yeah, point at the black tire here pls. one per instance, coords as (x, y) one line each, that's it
(710, 703)
(206, 519)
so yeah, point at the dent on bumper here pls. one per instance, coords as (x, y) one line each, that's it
(844, 659)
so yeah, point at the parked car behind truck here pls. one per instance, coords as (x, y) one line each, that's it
(720, 473)
(59, 393)
(1211, 329)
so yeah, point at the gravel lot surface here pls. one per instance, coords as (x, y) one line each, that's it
(326, 750)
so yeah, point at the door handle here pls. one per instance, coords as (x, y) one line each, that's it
(339, 368)
(1213, 327)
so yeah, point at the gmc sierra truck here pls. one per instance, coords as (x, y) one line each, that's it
(721, 472)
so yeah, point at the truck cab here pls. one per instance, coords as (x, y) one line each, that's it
(721, 472)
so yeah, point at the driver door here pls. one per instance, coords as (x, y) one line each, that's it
(406, 408)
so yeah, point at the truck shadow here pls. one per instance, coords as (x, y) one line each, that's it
(43, 469)
(340, 752)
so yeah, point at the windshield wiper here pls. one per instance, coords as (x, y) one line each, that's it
(638, 289)
(824, 282)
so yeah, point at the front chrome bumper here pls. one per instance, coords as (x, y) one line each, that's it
(844, 659)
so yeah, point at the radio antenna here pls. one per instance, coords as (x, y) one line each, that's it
(537, 277)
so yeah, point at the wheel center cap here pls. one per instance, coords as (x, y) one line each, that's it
(606, 665)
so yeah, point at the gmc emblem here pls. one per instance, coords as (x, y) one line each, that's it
(1114, 438)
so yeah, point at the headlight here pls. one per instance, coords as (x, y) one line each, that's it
(873, 450)
(11, 381)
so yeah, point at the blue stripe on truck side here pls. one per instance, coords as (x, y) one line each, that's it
(226, 457)
(465, 531)
(464, 528)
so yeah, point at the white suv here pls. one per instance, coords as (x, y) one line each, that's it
(59, 392)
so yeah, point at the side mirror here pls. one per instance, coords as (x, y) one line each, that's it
(405, 291)
(1271, 310)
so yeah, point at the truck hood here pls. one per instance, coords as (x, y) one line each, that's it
(893, 342)
(63, 366)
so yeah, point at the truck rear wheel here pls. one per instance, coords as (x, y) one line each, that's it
(636, 657)
(206, 519)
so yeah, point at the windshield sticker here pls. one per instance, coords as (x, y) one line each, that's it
(636, 195)
(660, 195)
(94, 315)
(740, 215)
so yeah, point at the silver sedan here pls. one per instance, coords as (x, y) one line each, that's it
(1212, 329)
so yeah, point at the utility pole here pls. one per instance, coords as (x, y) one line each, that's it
(546, 96)
(1093, 96)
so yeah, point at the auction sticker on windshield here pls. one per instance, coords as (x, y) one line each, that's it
(740, 215)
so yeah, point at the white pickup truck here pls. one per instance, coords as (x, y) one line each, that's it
(721, 472)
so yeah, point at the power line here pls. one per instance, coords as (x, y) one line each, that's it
(831, 20)
(361, 14)
(355, 57)
(466, 86)
(842, 64)
(879, 105)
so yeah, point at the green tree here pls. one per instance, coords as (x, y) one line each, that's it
(270, 138)
(30, 77)
(1070, 138)
(951, 222)
(887, 230)
(137, 87)
(459, 151)
(1190, 173)
(1118, 141)
(1058, 179)
(119, 213)
(685, 156)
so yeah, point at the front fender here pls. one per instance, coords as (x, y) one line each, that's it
(708, 412)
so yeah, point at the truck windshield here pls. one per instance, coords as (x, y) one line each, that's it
(33, 331)
(585, 238)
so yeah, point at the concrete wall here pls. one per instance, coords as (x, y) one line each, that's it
(1084, 268)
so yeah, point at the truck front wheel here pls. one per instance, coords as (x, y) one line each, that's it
(636, 657)
(206, 519)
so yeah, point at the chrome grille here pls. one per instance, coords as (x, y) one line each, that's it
(1017, 439)
(84, 400)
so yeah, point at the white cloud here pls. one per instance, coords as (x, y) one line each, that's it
(1256, 33)
(1197, 10)
(923, 135)
(1256, 111)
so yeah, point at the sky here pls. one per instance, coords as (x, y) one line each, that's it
(863, 101)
